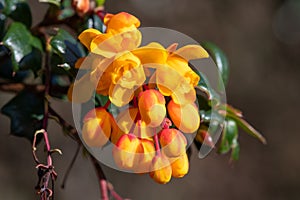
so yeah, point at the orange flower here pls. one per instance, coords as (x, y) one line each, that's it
(180, 166)
(146, 156)
(172, 142)
(152, 107)
(185, 117)
(161, 169)
(97, 127)
(81, 6)
(126, 150)
(121, 35)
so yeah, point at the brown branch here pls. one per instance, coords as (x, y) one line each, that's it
(18, 87)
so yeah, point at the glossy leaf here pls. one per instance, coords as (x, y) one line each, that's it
(32, 61)
(246, 127)
(20, 42)
(219, 58)
(229, 136)
(26, 113)
(59, 86)
(6, 68)
(235, 152)
(94, 22)
(17, 10)
(67, 47)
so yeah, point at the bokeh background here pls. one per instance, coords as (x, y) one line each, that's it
(262, 42)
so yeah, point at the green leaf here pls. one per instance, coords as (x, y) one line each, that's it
(54, 2)
(18, 10)
(235, 152)
(20, 42)
(220, 59)
(25, 112)
(229, 136)
(246, 127)
(67, 47)
(6, 69)
(94, 22)
(32, 61)
(100, 100)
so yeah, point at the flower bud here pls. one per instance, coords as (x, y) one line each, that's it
(126, 150)
(172, 142)
(180, 166)
(96, 127)
(152, 107)
(146, 157)
(185, 117)
(162, 170)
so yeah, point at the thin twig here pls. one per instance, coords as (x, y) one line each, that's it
(70, 166)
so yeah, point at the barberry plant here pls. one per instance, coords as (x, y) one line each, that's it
(150, 103)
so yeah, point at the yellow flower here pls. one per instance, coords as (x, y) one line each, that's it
(121, 35)
(126, 76)
(173, 75)
(126, 150)
(97, 127)
(172, 142)
(161, 171)
(185, 117)
(180, 166)
(152, 107)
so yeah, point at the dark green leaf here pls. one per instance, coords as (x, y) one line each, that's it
(94, 22)
(20, 42)
(247, 127)
(6, 69)
(220, 59)
(65, 13)
(18, 10)
(100, 100)
(229, 136)
(67, 47)
(25, 111)
(32, 61)
(22, 13)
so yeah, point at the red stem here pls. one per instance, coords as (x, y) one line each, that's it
(157, 147)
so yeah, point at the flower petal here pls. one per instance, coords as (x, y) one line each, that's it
(87, 36)
(190, 52)
(120, 96)
(152, 53)
(184, 93)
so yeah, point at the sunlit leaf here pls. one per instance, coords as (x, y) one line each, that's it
(26, 113)
(20, 42)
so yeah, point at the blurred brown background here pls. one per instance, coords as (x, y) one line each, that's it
(262, 42)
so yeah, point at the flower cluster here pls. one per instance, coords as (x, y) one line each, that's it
(154, 86)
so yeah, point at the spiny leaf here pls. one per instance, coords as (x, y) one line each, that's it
(25, 112)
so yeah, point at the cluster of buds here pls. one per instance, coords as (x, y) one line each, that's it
(153, 86)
